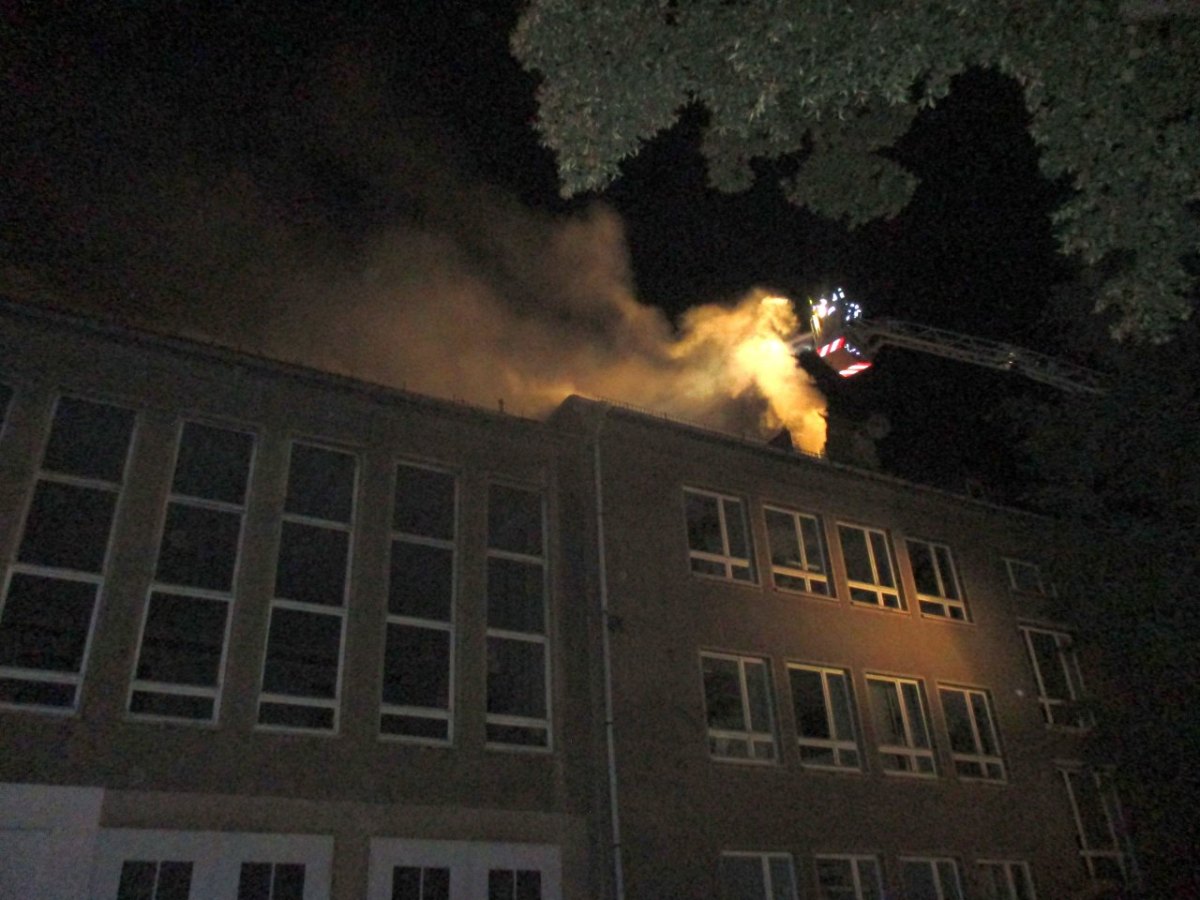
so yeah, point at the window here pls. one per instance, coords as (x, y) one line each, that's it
(1026, 578)
(50, 595)
(514, 884)
(1006, 880)
(271, 881)
(5, 397)
(185, 628)
(146, 880)
(718, 535)
(824, 717)
(1098, 822)
(930, 879)
(518, 663)
(848, 878)
(938, 591)
(419, 641)
(798, 559)
(737, 702)
(901, 726)
(302, 668)
(973, 742)
(1056, 671)
(757, 876)
(420, 883)
(870, 571)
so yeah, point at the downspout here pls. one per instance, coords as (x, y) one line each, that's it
(606, 654)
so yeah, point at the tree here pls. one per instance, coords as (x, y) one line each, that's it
(1111, 90)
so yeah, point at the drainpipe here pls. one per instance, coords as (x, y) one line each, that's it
(606, 653)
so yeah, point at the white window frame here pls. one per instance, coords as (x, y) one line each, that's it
(908, 750)
(726, 559)
(941, 605)
(808, 574)
(97, 580)
(188, 591)
(1012, 564)
(1013, 870)
(1069, 663)
(216, 858)
(1110, 805)
(983, 760)
(451, 544)
(338, 612)
(857, 862)
(468, 861)
(505, 634)
(765, 859)
(880, 590)
(934, 862)
(838, 744)
(749, 736)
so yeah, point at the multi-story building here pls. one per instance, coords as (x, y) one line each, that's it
(271, 633)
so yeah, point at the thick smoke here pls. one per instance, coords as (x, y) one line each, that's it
(451, 288)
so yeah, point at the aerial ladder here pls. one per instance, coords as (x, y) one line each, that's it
(847, 343)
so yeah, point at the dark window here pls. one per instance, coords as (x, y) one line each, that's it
(516, 678)
(422, 581)
(516, 596)
(88, 439)
(320, 483)
(182, 640)
(417, 667)
(271, 881)
(67, 527)
(45, 623)
(514, 520)
(312, 564)
(166, 880)
(213, 463)
(424, 502)
(199, 547)
(514, 884)
(302, 654)
(420, 883)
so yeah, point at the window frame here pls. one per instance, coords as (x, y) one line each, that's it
(339, 612)
(1110, 805)
(877, 588)
(97, 580)
(191, 592)
(934, 862)
(469, 863)
(448, 626)
(1008, 867)
(727, 560)
(983, 760)
(506, 720)
(908, 750)
(855, 860)
(1068, 660)
(808, 575)
(940, 601)
(765, 858)
(748, 735)
(1045, 588)
(838, 745)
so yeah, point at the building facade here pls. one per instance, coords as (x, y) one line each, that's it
(271, 633)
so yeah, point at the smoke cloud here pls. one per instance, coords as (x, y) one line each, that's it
(439, 284)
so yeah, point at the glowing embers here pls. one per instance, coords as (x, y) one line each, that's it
(843, 357)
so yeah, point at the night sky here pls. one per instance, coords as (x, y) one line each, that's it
(110, 113)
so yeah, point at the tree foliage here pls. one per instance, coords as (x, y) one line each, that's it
(1113, 98)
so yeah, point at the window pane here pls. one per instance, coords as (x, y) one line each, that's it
(735, 523)
(36, 693)
(946, 566)
(416, 668)
(88, 439)
(529, 884)
(808, 696)
(742, 878)
(885, 713)
(290, 715)
(289, 882)
(1096, 833)
(5, 397)
(919, 883)
(424, 502)
(781, 533)
(213, 463)
(704, 524)
(414, 726)
(814, 550)
(858, 561)
(176, 706)
(916, 717)
(174, 881)
(199, 547)
(320, 483)
(782, 880)
(45, 623)
(723, 694)
(1049, 664)
(312, 564)
(518, 735)
(835, 878)
(502, 884)
(883, 559)
(839, 694)
(422, 581)
(435, 884)
(137, 880)
(514, 520)
(406, 883)
(182, 641)
(515, 593)
(67, 527)
(983, 721)
(921, 556)
(958, 722)
(254, 881)
(759, 693)
(516, 683)
(302, 654)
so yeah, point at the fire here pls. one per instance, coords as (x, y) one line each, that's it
(729, 351)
